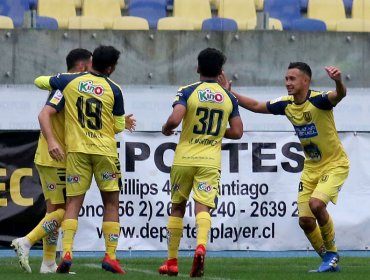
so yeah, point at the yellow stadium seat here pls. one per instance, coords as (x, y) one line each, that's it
(195, 10)
(329, 11)
(84, 22)
(242, 11)
(354, 25)
(130, 23)
(275, 24)
(6, 22)
(61, 10)
(361, 9)
(175, 23)
(79, 3)
(259, 5)
(106, 10)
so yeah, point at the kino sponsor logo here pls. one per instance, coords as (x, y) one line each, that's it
(108, 176)
(89, 87)
(208, 96)
(204, 187)
(73, 179)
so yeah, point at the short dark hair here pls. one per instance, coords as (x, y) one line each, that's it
(210, 62)
(304, 67)
(104, 57)
(75, 56)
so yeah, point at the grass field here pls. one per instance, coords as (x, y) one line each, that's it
(356, 268)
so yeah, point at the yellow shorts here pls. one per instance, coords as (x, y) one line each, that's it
(81, 167)
(204, 181)
(53, 182)
(324, 186)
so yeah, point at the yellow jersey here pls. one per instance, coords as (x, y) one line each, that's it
(208, 110)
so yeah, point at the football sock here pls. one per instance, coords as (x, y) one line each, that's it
(316, 241)
(203, 221)
(328, 235)
(69, 228)
(49, 247)
(111, 234)
(174, 227)
(50, 223)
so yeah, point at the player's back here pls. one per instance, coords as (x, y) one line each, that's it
(208, 109)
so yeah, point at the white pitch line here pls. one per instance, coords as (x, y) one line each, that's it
(150, 272)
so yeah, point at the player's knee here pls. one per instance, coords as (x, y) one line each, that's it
(307, 223)
(316, 206)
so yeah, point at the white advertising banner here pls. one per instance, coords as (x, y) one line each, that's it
(257, 207)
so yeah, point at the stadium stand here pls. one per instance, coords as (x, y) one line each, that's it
(329, 11)
(242, 11)
(360, 9)
(175, 23)
(195, 10)
(130, 23)
(289, 13)
(6, 22)
(151, 10)
(66, 9)
(85, 22)
(348, 5)
(46, 23)
(15, 9)
(219, 24)
(105, 10)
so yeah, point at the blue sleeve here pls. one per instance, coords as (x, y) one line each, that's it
(277, 107)
(321, 101)
(118, 107)
(60, 81)
(235, 110)
(56, 100)
(183, 95)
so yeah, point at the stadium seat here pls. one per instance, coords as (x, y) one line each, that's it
(355, 25)
(105, 10)
(219, 24)
(275, 24)
(361, 9)
(46, 23)
(151, 10)
(348, 5)
(65, 10)
(32, 4)
(6, 22)
(242, 11)
(289, 13)
(78, 3)
(85, 22)
(130, 23)
(304, 4)
(175, 23)
(195, 10)
(329, 11)
(258, 4)
(15, 9)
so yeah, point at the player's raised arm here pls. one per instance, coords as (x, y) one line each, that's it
(43, 82)
(340, 89)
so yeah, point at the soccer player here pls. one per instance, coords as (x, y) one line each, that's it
(205, 109)
(326, 165)
(52, 177)
(94, 112)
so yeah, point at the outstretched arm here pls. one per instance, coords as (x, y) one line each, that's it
(42, 82)
(340, 89)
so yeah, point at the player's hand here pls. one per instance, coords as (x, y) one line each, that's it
(223, 81)
(166, 131)
(334, 73)
(56, 151)
(130, 123)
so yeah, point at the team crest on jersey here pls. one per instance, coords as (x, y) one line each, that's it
(307, 116)
(202, 186)
(51, 186)
(72, 179)
(208, 96)
(108, 176)
(89, 87)
(57, 96)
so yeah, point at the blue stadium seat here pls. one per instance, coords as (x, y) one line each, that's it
(304, 4)
(151, 10)
(348, 5)
(289, 13)
(46, 23)
(32, 4)
(219, 24)
(14, 9)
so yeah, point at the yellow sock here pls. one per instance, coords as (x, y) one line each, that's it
(203, 221)
(50, 246)
(50, 223)
(69, 228)
(111, 234)
(175, 227)
(316, 241)
(328, 235)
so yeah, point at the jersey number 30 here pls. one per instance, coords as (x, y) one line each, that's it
(210, 121)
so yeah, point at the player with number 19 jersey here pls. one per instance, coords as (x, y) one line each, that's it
(91, 100)
(208, 110)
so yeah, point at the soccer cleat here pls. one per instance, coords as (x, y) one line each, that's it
(170, 267)
(330, 263)
(65, 263)
(48, 268)
(22, 252)
(197, 270)
(112, 265)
